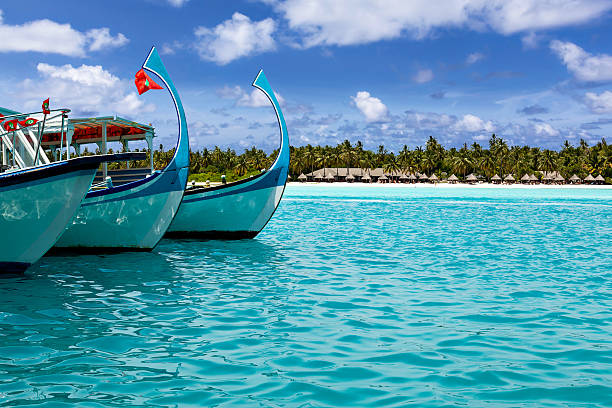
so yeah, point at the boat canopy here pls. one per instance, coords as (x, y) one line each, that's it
(100, 129)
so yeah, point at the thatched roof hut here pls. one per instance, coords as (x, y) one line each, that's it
(600, 178)
(412, 177)
(471, 178)
(533, 177)
(404, 177)
(423, 177)
(350, 177)
(433, 177)
(575, 179)
(525, 178)
(366, 178)
(589, 178)
(383, 177)
(496, 179)
(330, 177)
(302, 177)
(318, 177)
(559, 178)
(453, 179)
(509, 178)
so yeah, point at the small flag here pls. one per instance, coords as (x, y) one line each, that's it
(45, 107)
(144, 83)
(28, 122)
(10, 125)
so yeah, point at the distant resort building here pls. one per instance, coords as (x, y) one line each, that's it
(378, 175)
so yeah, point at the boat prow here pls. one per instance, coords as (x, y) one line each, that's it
(134, 216)
(240, 209)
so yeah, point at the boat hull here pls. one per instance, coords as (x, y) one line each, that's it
(235, 212)
(133, 217)
(35, 207)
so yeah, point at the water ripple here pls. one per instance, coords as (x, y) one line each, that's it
(350, 297)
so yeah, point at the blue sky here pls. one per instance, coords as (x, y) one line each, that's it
(388, 72)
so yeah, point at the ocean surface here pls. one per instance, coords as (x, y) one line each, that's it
(351, 297)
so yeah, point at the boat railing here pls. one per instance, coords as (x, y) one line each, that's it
(21, 146)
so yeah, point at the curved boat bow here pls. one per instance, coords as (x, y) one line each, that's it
(134, 216)
(240, 209)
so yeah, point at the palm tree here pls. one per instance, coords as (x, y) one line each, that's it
(242, 165)
(336, 158)
(391, 166)
(322, 160)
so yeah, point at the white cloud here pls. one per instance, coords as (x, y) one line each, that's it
(348, 22)
(101, 38)
(86, 90)
(255, 99)
(50, 37)
(422, 76)
(235, 38)
(471, 123)
(584, 66)
(177, 3)
(531, 40)
(474, 58)
(372, 108)
(544, 129)
(601, 103)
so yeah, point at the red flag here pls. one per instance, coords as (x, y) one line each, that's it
(45, 107)
(144, 83)
(10, 125)
(28, 122)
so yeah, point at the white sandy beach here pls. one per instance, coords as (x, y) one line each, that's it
(448, 185)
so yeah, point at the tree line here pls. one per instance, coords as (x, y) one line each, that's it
(496, 158)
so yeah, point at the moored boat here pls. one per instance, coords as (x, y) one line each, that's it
(37, 203)
(135, 215)
(240, 209)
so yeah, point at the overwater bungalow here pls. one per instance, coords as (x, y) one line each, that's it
(453, 179)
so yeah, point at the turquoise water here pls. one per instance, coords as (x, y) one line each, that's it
(350, 297)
